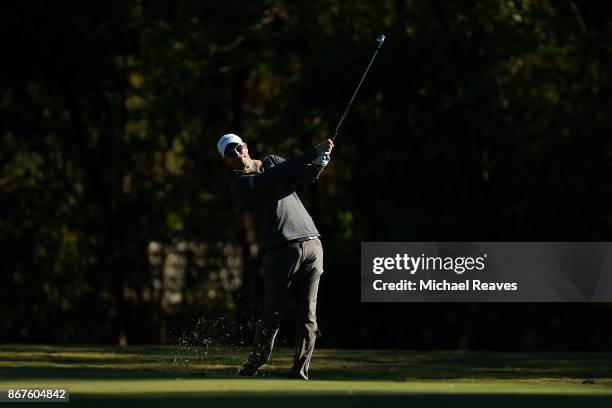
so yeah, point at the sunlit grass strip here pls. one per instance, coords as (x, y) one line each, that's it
(284, 386)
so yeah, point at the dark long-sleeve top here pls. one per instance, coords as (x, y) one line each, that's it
(268, 192)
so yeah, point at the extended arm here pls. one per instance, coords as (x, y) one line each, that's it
(253, 186)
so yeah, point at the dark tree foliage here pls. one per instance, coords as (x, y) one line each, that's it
(480, 121)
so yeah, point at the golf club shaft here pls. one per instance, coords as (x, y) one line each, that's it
(380, 40)
(346, 111)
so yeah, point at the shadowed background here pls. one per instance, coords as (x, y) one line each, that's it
(479, 121)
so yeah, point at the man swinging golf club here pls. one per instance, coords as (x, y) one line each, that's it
(293, 260)
(293, 255)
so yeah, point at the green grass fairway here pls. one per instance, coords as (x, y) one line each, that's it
(172, 376)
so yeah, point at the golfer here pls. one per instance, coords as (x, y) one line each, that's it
(293, 255)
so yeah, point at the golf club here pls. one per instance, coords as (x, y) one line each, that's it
(380, 40)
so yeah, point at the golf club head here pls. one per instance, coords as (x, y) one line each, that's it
(380, 39)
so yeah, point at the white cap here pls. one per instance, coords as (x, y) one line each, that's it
(227, 139)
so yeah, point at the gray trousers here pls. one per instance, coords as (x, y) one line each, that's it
(292, 273)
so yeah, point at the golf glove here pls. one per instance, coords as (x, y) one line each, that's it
(322, 161)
